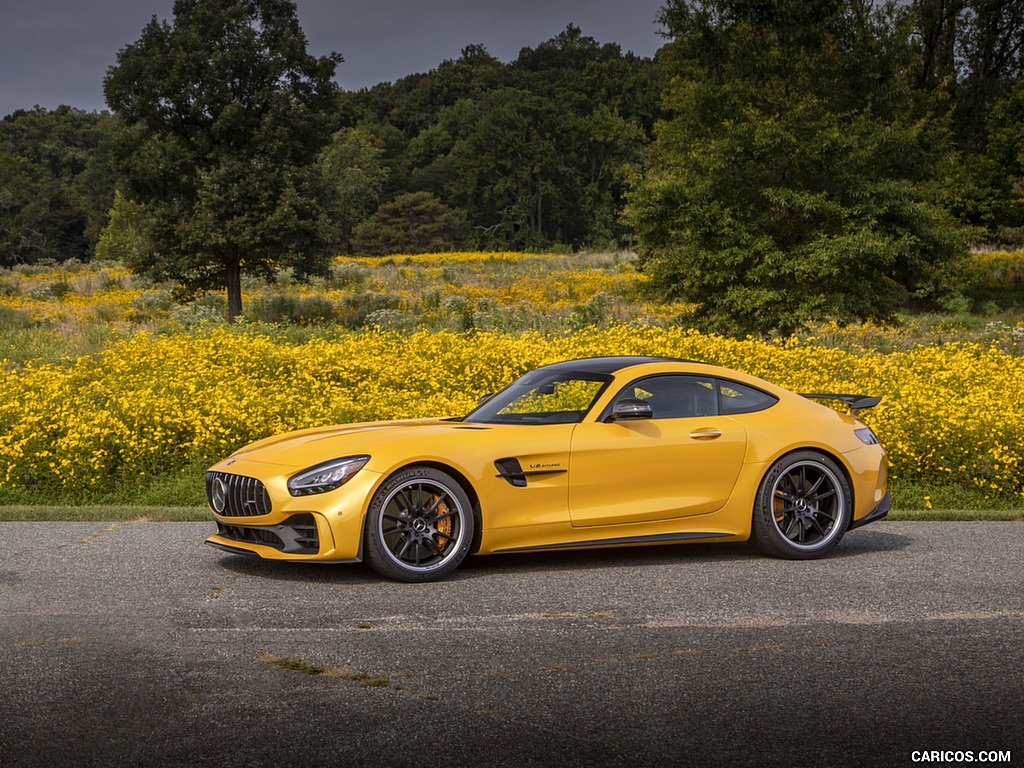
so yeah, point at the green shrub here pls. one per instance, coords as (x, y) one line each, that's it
(359, 306)
(412, 223)
(301, 310)
(13, 319)
(349, 276)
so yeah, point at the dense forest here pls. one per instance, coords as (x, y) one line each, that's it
(773, 153)
(525, 154)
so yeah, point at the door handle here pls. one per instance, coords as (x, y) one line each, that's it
(706, 434)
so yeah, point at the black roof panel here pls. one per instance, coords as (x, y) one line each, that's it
(607, 364)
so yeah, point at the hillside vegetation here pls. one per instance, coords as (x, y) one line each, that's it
(776, 164)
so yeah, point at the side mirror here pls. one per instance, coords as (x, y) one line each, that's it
(630, 408)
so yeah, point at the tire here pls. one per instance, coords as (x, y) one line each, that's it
(802, 508)
(419, 526)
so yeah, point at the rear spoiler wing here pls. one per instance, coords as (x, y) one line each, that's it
(856, 403)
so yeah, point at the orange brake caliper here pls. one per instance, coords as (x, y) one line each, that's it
(444, 525)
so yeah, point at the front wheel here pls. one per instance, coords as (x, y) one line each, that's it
(419, 526)
(802, 508)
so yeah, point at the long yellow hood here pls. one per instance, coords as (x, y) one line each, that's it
(309, 446)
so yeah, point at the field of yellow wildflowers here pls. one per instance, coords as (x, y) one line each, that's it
(452, 291)
(142, 389)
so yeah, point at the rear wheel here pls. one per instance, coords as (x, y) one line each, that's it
(419, 526)
(802, 508)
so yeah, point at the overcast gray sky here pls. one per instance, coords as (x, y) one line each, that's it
(55, 52)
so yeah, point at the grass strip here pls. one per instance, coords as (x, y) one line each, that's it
(956, 515)
(103, 513)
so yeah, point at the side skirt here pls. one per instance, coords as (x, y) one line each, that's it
(658, 538)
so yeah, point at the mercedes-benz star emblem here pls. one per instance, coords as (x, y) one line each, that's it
(219, 495)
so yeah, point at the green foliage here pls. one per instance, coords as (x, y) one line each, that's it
(814, 159)
(359, 309)
(508, 166)
(12, 319)
(38, 219)
(1005, 158)
(413, 223)
(352, 164)
(349, 275)
(301, 310)
(995, 281)
(225, 116)
(911, 500)
(592, 312)
(793, 182)
(536, 152)
(56, 184)
(971, 58)
(125, 238)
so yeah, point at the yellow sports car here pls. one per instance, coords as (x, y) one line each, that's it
(607, 451)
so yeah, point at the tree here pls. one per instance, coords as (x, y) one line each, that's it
(225, 114)
(412, 223)
(971, 58)
(56, 184)
(470, 76)
(1005, 151)
(552, 151)
(535, 152)
(125, 238)
(598, 100)
(792, 182)
(38, 218)
(509, 167)
(351, 163)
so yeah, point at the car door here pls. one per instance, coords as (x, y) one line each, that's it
(683, 461)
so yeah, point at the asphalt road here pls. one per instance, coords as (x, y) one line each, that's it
(135, 645)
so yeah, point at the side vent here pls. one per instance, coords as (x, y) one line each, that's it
(511, 470)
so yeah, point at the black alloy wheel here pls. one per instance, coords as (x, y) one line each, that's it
(803, 507)
(419, 526)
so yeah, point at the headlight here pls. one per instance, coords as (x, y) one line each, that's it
(866, 436)
(325, 477)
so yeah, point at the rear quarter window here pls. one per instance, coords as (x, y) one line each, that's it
(734, 397)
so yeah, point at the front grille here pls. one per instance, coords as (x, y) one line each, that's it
(236, 496)
(297, 535)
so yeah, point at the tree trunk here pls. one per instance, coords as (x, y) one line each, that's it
(234, 286)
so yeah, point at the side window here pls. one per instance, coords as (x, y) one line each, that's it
(734, 397)
(675, 397)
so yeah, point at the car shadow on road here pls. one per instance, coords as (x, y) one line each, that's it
(856, 544)
(871, 540)
(608, 558)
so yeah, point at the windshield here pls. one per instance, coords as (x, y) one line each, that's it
(542, 398)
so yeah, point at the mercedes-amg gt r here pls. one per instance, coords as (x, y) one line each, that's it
(601, 452)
